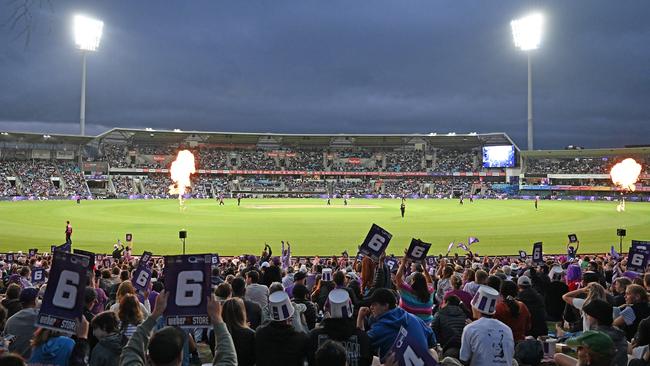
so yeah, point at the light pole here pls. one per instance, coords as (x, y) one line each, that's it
(527, 34)
(87, 33)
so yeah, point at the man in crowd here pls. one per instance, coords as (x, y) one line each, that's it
(21, 325)
(254, 291)
(387, 319)
(535, 304)
(253, 309)
(594, 348)
(486, 341)
(278, 343)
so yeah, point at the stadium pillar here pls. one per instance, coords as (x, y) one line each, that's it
(530, 104)
(82, 111)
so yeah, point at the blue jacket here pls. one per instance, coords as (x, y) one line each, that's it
(383, 331)
(56, 351)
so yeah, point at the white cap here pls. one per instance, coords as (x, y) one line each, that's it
(485, 300)
(303, 268)
(327, 274)
(280, 306)
(339, 304)
(555, 270)
(264, 264)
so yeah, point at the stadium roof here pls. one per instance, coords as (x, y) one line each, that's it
(151, 136)
(177, 136)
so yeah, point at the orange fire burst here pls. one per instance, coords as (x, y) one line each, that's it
(626, 173)
(180, 172)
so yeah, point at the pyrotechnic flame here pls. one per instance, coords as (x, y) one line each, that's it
(626, 173)
(180, 172)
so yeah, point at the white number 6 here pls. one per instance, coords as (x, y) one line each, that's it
(65, 295)
(142, 278)
(637, 259)
(376, 242)
(189, 289)
(417, 252)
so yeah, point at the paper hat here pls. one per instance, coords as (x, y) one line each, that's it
(485, 300)
(555, 272)
(327, 274)
(339, 304)
(280, 306)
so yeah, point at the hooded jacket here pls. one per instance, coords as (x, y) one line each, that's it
(56, 351)
(354, 340)
(384, 329)
(107, 351)
(448, 325)
(535, 304)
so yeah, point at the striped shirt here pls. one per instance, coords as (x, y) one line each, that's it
(412, 304)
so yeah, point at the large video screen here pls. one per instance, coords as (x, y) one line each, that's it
(498, 156)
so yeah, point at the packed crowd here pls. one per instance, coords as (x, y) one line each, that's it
(6, 188)
(115, 155)
(407, 161)
(600, 165)
(306, 160)
(35, 176)
(123, 184)
(455, 161)
(270, 310)
(257, 160)
(75, 183)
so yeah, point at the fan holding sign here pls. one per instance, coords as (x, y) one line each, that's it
(375, 243)
(187, 280)
(416, 293)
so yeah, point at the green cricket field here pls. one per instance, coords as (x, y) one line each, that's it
(313, 228)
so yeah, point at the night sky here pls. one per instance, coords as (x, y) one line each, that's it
(335, 66)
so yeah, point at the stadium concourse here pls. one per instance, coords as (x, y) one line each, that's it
(74, 307)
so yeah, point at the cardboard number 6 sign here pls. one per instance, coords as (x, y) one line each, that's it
(187, 280)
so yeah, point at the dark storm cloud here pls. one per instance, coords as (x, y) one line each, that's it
(338, 66)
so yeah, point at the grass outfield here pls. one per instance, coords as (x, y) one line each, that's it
(503, 227)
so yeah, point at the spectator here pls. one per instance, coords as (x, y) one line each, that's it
(300, 293)
(599, 314)
(456, 283)
(234, 315)
(129, 314)
(253, 309)
(21, 325)
(553, 299)
(278, 343)
(166, 345)
(51, 348)
(636, 308)
(387, 320)
(512, 312)
(486, 341)
(11, 301)
(593, 348)
(416, 297)
(448, 324)
(593, 291)
(255, 291)
(106, 328)
(338, 326)
(535, 304)
(331, 354)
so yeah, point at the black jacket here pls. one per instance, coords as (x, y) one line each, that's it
(244, 340)
(553, 300)
(343, 331)
(253, 313)
(448, 324)
(310, 314)
(535, 304)
(12, 305)
(277, 343)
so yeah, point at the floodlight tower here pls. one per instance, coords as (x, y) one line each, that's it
(527, 34)
(87, 33)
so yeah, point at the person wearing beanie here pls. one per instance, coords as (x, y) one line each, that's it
(535, 304)
(387, 321)
(593, 348)
(599, 316)
(278, 343)
(338, 326)
(22, 323)
(486, 341)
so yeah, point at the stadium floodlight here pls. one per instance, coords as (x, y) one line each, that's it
(87, 33)
(527, 34)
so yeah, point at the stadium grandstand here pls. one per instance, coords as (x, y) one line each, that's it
(134, 163)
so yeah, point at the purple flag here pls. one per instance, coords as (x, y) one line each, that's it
(613, 253)
(471, 240)
(463, 246)
(451, 245)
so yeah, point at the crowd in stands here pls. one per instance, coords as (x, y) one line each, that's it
(75, 183)
(582, 165)
(6, 188)
(256, 160)
(214, 159)
(407, 161)
(340, 310)
(157, 184)
(306, 160)
(402, 187)
(35, 176)
(115, 155)
(123, 184)
(455, 161)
